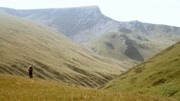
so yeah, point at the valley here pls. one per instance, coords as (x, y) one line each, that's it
(53, 55)
(89, 26)
(80, 54)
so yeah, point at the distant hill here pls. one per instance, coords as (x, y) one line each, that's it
(128, 47)
(159, 75)
(52, 55)
(23, 89)
(123, 46)
(80, 24)
(87, 25)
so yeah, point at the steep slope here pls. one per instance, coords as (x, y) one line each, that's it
(151, 29)
(116, 45)
(87, 25)
(81, 23)
(128, 46)
(52, 55)
(159, 75)
(22, 89)
(120, 46)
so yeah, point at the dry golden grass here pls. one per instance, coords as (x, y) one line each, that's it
(52, 55)
(24, 89)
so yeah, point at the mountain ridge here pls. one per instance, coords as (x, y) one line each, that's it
(53, 55)
(87, 26)
(91, 13)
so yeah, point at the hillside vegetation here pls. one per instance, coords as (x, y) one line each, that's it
(23, 89)
(131, 42)
(52, 55)
(130, 47)
(159, 76)
(116, 45)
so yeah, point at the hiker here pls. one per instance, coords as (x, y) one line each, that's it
(30, 71)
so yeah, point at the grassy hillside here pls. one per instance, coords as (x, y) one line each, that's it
(139, 42)
(52, 55)
(160, 75)
(20, 89)
(111, 45)
(128, 47)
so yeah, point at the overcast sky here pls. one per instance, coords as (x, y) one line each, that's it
(152, 11)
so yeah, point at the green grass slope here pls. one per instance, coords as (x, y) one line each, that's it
(52, 55)
(159, 75)
(23, 89)
(112, 45)
(129, 47)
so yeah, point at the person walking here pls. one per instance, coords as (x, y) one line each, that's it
(30, 71)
